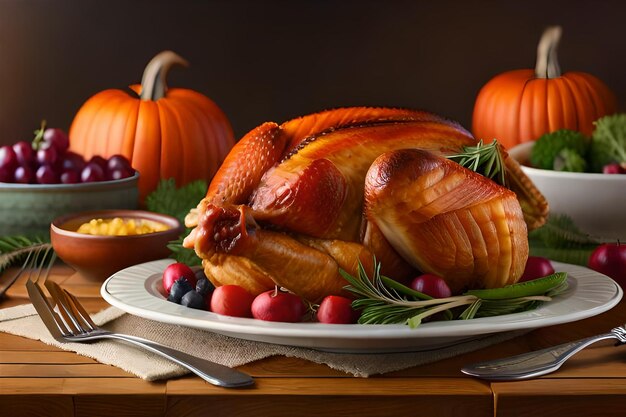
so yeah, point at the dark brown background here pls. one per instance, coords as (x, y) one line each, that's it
(273, 60)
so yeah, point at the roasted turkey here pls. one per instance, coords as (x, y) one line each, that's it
(294, 203)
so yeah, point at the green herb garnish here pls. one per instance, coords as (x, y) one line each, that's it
(384, 301)
(177, 201)
(182, 254)
(561, 240)
(483, 159)
(15, 249)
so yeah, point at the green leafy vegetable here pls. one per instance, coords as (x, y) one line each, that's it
(484, 159)
(384, 301)
(569, 160)
(177, 201)
(563, 150)
(608, 141)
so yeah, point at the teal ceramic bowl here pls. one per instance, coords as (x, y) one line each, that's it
(28, 209)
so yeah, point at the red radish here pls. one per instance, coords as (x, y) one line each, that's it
(277, 305)
(175, 271)
(232, 300)
(337, 310)
(432, 285)
(613, 168)
(536, 267)
(610, 259)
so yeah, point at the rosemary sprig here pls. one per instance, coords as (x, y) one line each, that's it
(483, 159)
(382, 304)
(384, 301)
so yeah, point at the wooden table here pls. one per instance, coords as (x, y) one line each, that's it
(39, 380)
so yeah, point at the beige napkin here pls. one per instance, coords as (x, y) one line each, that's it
(24, 321)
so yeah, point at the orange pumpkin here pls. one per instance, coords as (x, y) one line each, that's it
(520, 106)
(176, 133)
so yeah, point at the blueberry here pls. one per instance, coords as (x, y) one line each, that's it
(180, 287)
(193, 299)
(204, 286)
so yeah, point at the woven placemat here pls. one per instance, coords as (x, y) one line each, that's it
(24, 321)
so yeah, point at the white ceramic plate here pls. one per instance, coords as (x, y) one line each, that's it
(137, 290)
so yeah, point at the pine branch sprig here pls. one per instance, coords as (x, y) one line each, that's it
(14, 250)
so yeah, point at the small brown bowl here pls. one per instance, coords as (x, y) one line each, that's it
(97, 257)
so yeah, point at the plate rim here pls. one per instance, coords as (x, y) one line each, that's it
(247, 328)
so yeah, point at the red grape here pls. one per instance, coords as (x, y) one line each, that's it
(24, 174)
(118, 167)
(47, 155)
(48, 160)
(24, 152)
(100, 161)
(432, 285)
(8, 159)
(118, 162)
(337, 310)
(57, 139)
(70, 176)
(45, 175)
(72, 161)
(6, 175)
(92, 173)
(118, 174)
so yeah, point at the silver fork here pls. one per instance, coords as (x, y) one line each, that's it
(539, 362)
(73, 324)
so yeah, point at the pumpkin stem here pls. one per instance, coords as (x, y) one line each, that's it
(153, 82)
(547, 62)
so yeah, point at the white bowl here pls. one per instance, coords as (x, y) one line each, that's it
(596, 202)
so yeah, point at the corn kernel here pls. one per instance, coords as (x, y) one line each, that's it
(120, 227)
